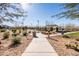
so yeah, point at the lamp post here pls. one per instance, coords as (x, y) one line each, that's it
(38, 25)
(47, 28)
(62, 31)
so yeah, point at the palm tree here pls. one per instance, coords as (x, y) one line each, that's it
(72, 11)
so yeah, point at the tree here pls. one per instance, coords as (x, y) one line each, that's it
(10, 11)
(71, 11)
(70, 27)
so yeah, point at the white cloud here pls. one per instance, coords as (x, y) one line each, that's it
(26, 6)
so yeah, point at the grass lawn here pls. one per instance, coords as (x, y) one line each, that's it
(73, 34)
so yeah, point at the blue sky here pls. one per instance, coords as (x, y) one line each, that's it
(43, 13)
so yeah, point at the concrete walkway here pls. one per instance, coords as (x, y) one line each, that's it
(39, 47)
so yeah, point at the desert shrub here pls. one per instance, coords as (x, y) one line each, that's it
(14, 34)
(14, 30)
(71, 27)
(53, 32)
(19, 31)
(34, 34)
(24, 33)
(76, 47)
(73, 46)
(67, 45)
(77, 39)
(6, 35)
(44, 32)
(16, 41)
(2, 30)
(66, 36)
(29, 32)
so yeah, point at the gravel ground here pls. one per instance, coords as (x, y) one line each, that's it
(59, 45)
(14, 51)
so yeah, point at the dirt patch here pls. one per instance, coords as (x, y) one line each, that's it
(14, 51)
(59, 42)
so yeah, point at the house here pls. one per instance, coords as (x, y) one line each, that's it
(53, 28)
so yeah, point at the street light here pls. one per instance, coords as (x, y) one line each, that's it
(38, 25)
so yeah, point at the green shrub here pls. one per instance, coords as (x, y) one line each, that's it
(24, 33)
(6, 35)
(16, 40)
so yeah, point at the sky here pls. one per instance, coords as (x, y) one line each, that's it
(43, 13)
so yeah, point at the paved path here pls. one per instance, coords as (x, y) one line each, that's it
(39, 47)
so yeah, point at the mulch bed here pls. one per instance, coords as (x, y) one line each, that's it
(59, 42)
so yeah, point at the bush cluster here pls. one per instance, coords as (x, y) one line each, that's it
(66, 36)
(24, 33)
(14, 30)
(14, 34)
(16, 41)
(73, 46)
(2, 30)
(6, 35)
